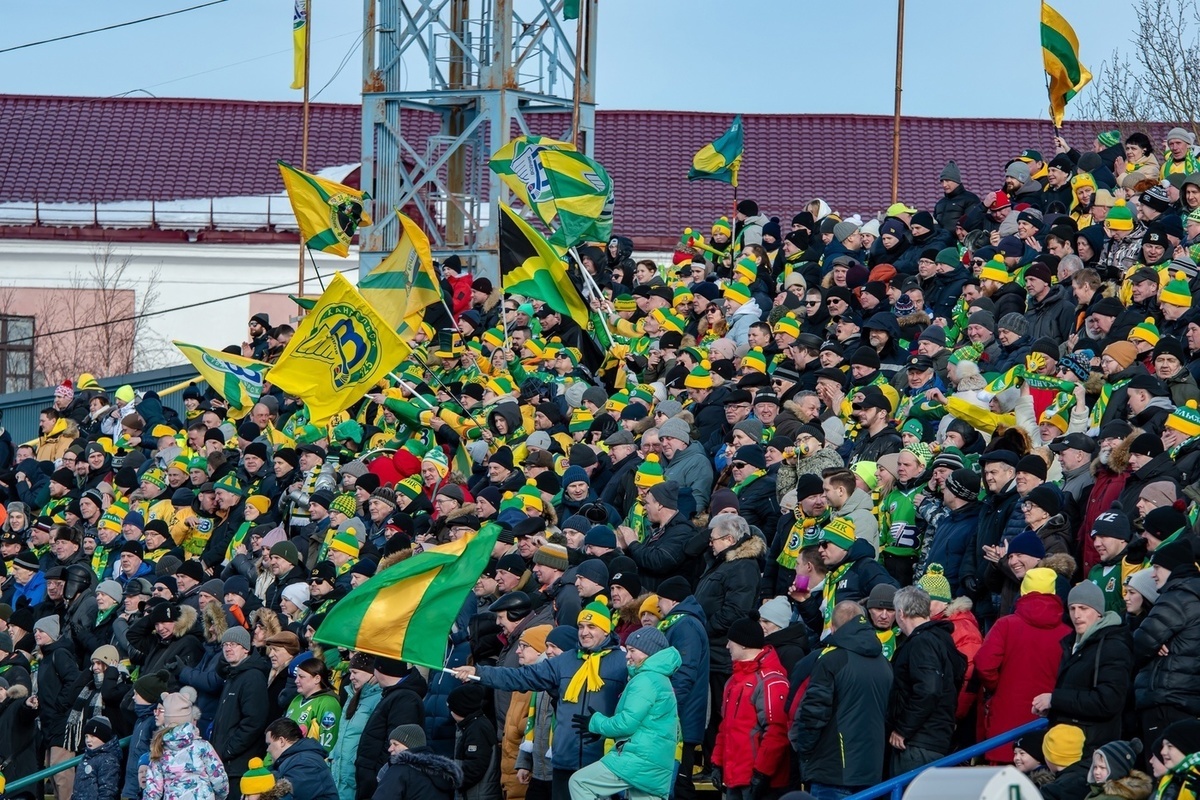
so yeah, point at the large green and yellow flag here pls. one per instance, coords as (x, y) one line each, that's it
(1060, 55)
(530, 267)
(328, 213)
(407, 610)
(404, 283)
(238, 380)
(299, 43)
(569, 192)
(720, 160)
(340, 350)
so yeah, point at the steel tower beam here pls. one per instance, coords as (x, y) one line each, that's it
(445, 84)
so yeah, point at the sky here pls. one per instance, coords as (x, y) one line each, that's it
(961, 59)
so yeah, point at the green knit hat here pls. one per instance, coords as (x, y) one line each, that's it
(935, 584)
(642, 393)
(921, 452)
(410, 487)
(668, 319)
(1109, 138)
(1119, 217)
(199, 462)
(1177, 292)
(231, 485)
(949, 256)
(346, 504)
(581, 421)
(746, 268)
(737, 291)
(346, 539)
(154, 476)
(839, 531)
(649, 473)
(258, 779)
(755, 360)
(308, 434)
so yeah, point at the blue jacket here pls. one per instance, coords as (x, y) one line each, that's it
(685, 631)
(208, 684)
(98, 776)
(439, 725)
(139, 745)
(553, 675)
(952, 541)
(31, 593)
(349, 732)
(304, 765)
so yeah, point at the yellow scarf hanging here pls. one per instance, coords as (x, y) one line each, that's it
(588, 673)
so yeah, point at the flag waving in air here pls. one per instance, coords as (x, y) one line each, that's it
(339, 351)
(420, 596)
(404, 283)
(720, 160)
(530, 267)
(239, 381)
(1060, 55)
(299, 43)
(569, 192)
(328, 213)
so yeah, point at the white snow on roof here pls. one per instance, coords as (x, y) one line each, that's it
(203, 213)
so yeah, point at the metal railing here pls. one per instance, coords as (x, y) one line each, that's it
(51, 771)
(895, 786)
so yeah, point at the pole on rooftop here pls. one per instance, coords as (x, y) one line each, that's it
(899, 89)
(304, 126)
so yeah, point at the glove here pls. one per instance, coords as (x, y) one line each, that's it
(971, 585)
(173, 665)
(717, 781)
(759, 784)
(580, 723)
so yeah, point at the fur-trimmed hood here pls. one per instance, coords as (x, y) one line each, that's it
(215, 622)
(957, 606)
(1061, 563)
(751, 548)
(269, 620)
(17, 692)
(1137, 785)
(491, 301)
(1118, 460)
(281, 790)
(188, 617)
(917, 318)
(437, 768)
(392, 559)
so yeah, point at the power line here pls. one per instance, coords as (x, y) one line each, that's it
(144, 315)
(110, 27)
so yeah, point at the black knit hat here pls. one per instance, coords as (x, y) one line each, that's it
(1163, 521)
(99, 727)
(674, 588)
(1173, 556)
(747, 633)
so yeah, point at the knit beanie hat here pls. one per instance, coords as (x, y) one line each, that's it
(535, 637)
(839, 531)
(596, 613)
(177, 708)
(1146, 331)
(410, 735)
(1124, 353)
(100, 727)
(650, 606)
(1114, 524)
(1173, 556)
(1176, 292)
(738, 292)
(1142, 582)
(1063, 745)
(1031, 743)
(1185, 419)
(257, 779)
(995, 270)
(1013, 322)
(1039, 580)
(345, 504)
(674, 588)
(238, 635)
(747, 633)
(49, 626)
(963, 483)
(648, 640)
(437, 457)
(553, 556)
(1121, 757)
(935, 584)
(346, 538)
(1086, 593)
(1109, 138)
(1119, 217)
(151, 687)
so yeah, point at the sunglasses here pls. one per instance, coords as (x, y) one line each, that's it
(812, 302)
(738, 465)
(713, 310)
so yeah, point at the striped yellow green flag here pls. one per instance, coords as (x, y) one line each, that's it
(238, 380)
(421, 595)
(328, 213)
(569, 192)
(404, 283)
(530, 267)
(720, 160)
(299, 43)
(340, 350)
(1060, 55)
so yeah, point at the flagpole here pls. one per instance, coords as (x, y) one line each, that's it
(304, 128)
(899, 89)
(579, 61)
(595, 288)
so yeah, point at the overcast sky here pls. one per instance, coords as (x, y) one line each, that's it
(751, 56)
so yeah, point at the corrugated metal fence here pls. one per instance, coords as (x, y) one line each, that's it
(20, 410)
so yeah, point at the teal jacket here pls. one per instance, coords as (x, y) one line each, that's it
(645, 726)
(349, 733)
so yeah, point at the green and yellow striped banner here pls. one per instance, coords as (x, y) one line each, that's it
(421, 595)
(239, 381)
(1060, 55)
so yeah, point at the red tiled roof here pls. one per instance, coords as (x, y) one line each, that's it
(71, 149)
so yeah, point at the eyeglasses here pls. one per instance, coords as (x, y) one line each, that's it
(713, 310)
(738, 465)
(717, 538)
(822, 545)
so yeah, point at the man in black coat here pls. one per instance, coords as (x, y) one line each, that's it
(400, 704)
(241, 715)
(928, 672)
(56, 676)
(754, 486)
(662, 554)
(846, 701)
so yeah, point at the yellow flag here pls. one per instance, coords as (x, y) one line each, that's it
(341, 349)
(328, 213)
(238, 380)
(1060, 57)
(404, 282)
(299, 43)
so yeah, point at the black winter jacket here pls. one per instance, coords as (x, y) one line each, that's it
(304, 765)
(662, 554)
(758, 503)
(1094, 681)
(399, 704)
(927, 672)
(19, 740)
(869, 447)
(727, 592)
(839, 733)
(1170, 680)
(1053, 316)
(417, 774)
(241, 716)
(865, 574)
(56, 677)
(950, 207)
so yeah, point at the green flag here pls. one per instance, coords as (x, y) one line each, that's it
(720, 160)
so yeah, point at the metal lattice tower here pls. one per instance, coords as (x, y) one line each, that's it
(480, 69)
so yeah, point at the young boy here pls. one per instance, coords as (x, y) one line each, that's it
(414, 770)
(475, 739)
(98, 776)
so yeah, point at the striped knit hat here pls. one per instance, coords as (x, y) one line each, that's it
(1146, 331)
(649, 473)
(1176, 292)
(1185, 419)
(738, 292)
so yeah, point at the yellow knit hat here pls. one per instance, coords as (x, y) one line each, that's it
(1146, 331)
(1185, 419)
(1039, 580)
(1176, 292)
(995, 270)
(650, 605)
(258, 779)
(1063, 745)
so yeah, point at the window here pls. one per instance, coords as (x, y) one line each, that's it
(16, 354)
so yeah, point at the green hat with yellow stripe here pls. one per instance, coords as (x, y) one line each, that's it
(1176, 292)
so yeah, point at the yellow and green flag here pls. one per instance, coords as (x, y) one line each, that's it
(421, 595)
(340, 350)
(569, 192)
(238, 380)
(530, 267)
(1060, 55)
(720, 160)
(328, 213)
(404, 283)
(299, 43)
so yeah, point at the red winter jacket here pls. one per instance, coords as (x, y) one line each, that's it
(1108, 487)
(1016, 663)
(753, 736)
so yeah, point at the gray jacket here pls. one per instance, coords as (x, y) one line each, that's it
(861, 511)
(691, 468)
